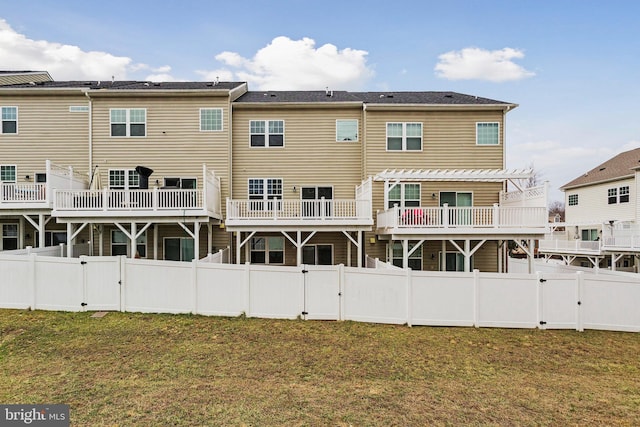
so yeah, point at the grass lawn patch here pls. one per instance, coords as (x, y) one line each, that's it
(129, 369)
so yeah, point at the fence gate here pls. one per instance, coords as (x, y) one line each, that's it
(101, 276)
(321, 292)
(559, 299)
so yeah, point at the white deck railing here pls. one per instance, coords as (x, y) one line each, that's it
(21, 193)
(622, 243)
(152, 201)
(299, 210)
(108, 200)
(463, 217)
(530, 197)
(587, 247)
(39, 194)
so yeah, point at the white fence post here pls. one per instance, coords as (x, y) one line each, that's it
(194, 285)
(122, 264)
(579, 285)
(247, 284)
(476, 286)
(83, 261)
(540, 320)
(341, 292)
(409, 297)
(32, 277)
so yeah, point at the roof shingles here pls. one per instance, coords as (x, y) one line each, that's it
(131, 85)
(618, 167)
(434, 98)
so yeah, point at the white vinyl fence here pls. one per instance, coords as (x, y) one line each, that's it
(521, 265)
(560, 301)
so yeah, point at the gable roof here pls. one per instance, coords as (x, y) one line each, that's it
(619, 167)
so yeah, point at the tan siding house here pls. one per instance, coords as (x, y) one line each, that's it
(309, 157)
(179, 170)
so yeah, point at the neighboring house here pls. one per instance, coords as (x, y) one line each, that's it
(18, 77)
(309, 177)
(601, 216)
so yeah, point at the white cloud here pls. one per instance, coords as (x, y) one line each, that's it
(479, 64)
(161, 74)
(298, 64)
(213, 75)
(160, 77)
(63, 62)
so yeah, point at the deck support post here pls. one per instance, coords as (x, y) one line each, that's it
(132, 240)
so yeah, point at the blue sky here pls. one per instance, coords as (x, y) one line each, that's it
(572, 66)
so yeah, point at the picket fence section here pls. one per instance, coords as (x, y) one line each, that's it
(559, 301)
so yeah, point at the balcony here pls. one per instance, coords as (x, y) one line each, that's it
(570, 247)
(23, 195)
(133, 203)
(297, 212)
(327, 213)
(623, 237)
(26, 196)
(474, 220)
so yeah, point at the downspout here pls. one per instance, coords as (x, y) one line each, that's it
(90, 135)
(223, 200)
(504, 145)
(364, 141)
(90, 169)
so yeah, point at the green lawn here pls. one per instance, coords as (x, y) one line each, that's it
(159, 370)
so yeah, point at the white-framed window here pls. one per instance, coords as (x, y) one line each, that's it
(487, 133)
(267, 250)
(415, 258)
(9, 240)
(9, 116)
(320, 254)
(8, 173)
(266, 133)
(573, 200)
(347, 130)
(78, 108)
(404, 136)
(618, 195)
(210, 119)
(178, 249)
(123, 179)
(262, 191)
(128, 122)
(404, 195)
(624, 194)
(120, 244)
(590, 234)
